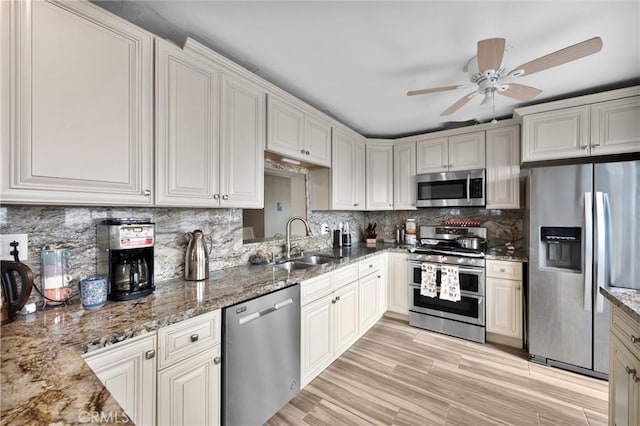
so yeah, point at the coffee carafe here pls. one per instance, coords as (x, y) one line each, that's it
(125, 256)
(196, 259)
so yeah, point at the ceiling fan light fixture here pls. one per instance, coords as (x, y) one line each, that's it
(516, 73)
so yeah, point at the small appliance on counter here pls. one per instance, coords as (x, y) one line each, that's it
(125, 257)
(17, 282)
(196, 259)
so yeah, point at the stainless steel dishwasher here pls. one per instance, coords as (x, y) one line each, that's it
(261, 357)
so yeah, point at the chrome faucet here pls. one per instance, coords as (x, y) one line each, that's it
(288, 237)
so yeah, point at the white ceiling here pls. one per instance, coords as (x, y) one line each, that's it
(355, 60)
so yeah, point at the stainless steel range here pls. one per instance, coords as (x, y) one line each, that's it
(442, 245)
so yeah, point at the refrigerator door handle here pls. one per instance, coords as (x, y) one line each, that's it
(600, 249)
(588, 250)
(468, 188)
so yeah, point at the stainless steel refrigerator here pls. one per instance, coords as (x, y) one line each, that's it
(583, 234)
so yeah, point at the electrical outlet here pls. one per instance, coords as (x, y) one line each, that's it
(6, 248)
(324, 229)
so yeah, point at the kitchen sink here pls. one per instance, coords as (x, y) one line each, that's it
(304, 262)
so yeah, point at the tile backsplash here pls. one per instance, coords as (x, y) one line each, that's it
(74, 229)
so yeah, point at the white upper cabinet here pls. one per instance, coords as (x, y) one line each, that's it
(210, 133)
(379, 175)
(78, 127)
(347, 171)
(297, 134)
(404, 176)
(599, 124)
(556, 134)
(457, 152)
(242, 137)
(503, 168)
(615, 126)
(187, 157)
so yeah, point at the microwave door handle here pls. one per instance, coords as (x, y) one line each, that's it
(468, 188)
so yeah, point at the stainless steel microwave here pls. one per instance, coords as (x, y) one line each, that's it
(457, 189)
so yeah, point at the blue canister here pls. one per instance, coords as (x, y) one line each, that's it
(93, 292)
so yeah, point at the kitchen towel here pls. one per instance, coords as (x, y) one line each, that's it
(428, 286)
(449, 283)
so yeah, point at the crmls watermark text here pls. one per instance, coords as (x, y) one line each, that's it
(103, 417)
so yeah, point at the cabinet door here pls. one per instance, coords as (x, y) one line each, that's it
(556, 134)
(398, 283)
(615, 126)
(432, 156)
(189, 392)
(466, 151)
(128, 371)
(404, 176)
(503, 168)
(286, 129)
(342, 173)
(368, 308)
(318, 141)
(624, 392)
(346, 317)
(379, 177)
(81, 111)
(316, 339)
(242, 144)
(504, 307)
(187, 97)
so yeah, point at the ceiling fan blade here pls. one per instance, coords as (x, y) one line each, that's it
(433, 90)
(459, 104)
(562, 56)
(520, 92)
(490, 53)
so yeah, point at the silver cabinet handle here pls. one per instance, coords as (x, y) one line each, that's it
(216, 196)
(635, 339)
(302, 151)
(632, 373)
(225, 197)
(147, 192)
(370, 266)
(194, 337)
(307, 152)
(356, 204)
(444, 166)
(217, 360)
(337, 298)
(150, 354)
(595, 146)
(503, 270)
(333, 302)
(379, 276)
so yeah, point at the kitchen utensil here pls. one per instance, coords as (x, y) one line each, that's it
(196, 262)
(337, 238)
(473, 243)
(17, 282)
(93, 292)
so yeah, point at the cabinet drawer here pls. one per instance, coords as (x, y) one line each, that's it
(368, 266)
(626, 329)
(504, 269)
(344, 276)
(315, 288)
(184, 339)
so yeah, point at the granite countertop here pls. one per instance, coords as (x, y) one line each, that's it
(627, 299)
(501, 253)
(44, 378)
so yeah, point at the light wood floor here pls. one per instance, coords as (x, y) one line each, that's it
(401, 375)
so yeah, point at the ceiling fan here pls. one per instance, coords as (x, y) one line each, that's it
(487, 72)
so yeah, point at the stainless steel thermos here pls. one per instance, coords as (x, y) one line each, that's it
(196, 260)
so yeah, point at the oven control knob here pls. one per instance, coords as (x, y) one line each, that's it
(428, 257)
(444, 258)
(472, 261)
(461, 260)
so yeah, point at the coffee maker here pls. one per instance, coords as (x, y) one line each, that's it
(125, 257)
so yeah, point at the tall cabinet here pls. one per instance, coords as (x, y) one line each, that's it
(347, 171)
(82, 98)
(379, 174)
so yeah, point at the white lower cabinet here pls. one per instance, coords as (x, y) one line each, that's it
(373, 292)
(398, 283)
(346, 317)
(189, 371)
(504, 301)
(189, 392)
(624, 369)
(317, 337)
(128, 371)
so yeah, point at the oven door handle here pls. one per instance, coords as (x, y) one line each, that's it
(472, 270)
